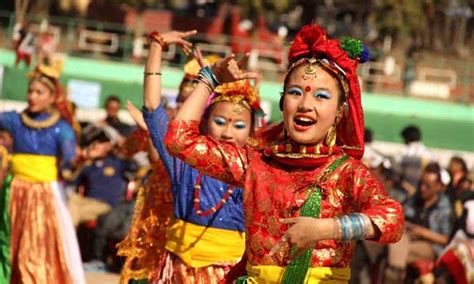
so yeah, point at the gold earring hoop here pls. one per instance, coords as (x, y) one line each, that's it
(331, 136)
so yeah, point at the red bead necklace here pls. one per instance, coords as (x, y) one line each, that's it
(214, 209)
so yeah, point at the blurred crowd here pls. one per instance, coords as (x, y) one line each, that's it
(436, 200)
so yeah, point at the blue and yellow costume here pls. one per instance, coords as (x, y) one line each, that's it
(43, 246)
(206, 244)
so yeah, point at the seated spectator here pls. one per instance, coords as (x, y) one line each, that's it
(458, 171)
(429, 218)
(104, 177)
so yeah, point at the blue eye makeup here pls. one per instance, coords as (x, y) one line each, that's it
(295, 91)
(322, 94)
(219, 121)
(240, 125)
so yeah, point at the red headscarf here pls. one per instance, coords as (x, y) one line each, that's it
(312, 41)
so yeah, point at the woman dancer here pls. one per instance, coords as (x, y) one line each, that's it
(42, 240)
(307, 196)
(206, 237)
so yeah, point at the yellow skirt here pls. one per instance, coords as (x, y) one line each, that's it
(37, 254)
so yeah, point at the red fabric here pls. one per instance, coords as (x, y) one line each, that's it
(312, 41)
(423, 266)
(456, 269)
(273, 191)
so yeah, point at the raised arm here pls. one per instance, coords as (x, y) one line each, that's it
(224, 161)
(152, 74)
(155, 117)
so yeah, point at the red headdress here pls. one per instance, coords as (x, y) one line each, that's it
(313, 42)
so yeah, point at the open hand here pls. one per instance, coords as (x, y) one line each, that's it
(229, 70)
(179, 38)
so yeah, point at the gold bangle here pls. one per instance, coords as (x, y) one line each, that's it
(152, 73)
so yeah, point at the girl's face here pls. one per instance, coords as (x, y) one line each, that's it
(229, 122)
(310, 105)
(40, 97)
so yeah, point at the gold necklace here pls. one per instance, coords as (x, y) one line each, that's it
(31, 123)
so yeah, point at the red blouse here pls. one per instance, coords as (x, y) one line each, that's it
(273, 191)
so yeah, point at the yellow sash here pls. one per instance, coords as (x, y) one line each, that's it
(30, 167)
(269, 274)
(200, 246)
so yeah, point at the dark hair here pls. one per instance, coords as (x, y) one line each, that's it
(112, 98)
(368, 136)
(460, 161)
(433, 168)
(411, 133)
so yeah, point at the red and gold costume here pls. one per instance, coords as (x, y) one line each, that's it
(144, 244)
(277, 180)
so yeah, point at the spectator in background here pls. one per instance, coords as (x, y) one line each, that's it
(413, 158)
(458, 171)
(104, 176)
(112, 107)
(429, 218)
(373, 158)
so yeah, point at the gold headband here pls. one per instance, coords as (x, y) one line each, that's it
(45, 80)
(326, 65)
(235, 99)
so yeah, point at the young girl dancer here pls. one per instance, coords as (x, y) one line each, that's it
(307, 196)
(206, 237)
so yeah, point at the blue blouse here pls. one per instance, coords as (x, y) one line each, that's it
(183, 178)
(58, 140)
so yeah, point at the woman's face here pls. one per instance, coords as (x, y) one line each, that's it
(229, 122)
(40, 97)
(309, 105)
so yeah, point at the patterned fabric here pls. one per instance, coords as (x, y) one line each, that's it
(37, 255)
(183, 178)
(274, 191)
(144, 244)
(175, 271)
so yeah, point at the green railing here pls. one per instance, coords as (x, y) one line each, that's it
(70, 27)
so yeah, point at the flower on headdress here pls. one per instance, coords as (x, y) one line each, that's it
(355, 49)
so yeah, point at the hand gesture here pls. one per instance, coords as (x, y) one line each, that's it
(137, 115)
(228, 70)
(304, 233)
(179, 38)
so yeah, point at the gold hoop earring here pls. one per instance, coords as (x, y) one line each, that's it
(331, 136)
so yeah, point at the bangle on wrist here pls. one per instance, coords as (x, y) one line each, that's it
(206, 75)
(156, 37)
(146, 73)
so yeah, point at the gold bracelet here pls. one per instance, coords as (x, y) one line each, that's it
(152, 73)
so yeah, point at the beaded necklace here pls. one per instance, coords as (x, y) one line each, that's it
(213, 209)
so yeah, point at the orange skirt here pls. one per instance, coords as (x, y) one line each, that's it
(176, 271)
(37, 254)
